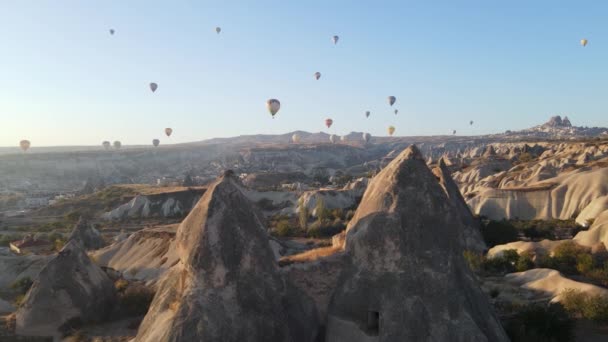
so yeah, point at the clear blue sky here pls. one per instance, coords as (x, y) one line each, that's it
(64, 80)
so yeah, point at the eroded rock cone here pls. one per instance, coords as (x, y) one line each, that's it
(471, 234)
(227, 286)
(407, 280)
(70, 290)
(87, 235)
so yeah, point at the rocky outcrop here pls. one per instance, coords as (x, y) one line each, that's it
(406, 279)
(88, 237)
(471, 234)
(227, 285)
(145, 255)
(166, 205)
(13, 268)
(70, 289)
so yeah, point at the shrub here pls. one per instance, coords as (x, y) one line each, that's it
(474, 260)
(21, 286)
(498, 233)
(303, 215)
(541, 323)
(583, 305)
(283, 228)
(566, 255)
(524, 262)
(321, 212)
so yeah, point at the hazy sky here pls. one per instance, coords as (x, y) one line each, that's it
(64, 80)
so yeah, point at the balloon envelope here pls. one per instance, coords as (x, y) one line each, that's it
(396, 111)
(273, 106)
(584, 42)
(24, 145)
(366, 137)
(367, 114)
(391, 100)
(168, 131)
(106, 145)
(471, 122)
(328, 122)
(317, 75)
(333, 138)
(218, 30)
(153, 86)
(295, 138)
(454, 132)
(335, 39)
(111, 31)
(155, 142)
(391, 130)
(117, 144)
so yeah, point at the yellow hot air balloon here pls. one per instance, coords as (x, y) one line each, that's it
(168, 131)
(584, 42)
(391, 130)
(273, 106)
(295, 138)
(24, 145)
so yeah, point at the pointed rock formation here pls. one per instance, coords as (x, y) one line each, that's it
(407, 279)
(87, 235)
(69, 289)
(471, 234)
(227, 285)
(489, 152)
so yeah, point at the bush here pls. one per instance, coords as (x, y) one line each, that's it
(583, 305)
(319, 230)
(541, 323)
(21, 286)
(321, 212)
(498, 233)
(303, 215)
(524, 262)
(283, 228)
(474, 260)
(566, 257)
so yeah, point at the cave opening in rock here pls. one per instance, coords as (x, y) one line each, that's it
(373, 322)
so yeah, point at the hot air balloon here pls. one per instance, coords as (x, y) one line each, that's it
(396, 111)
(218, 30)
(168, 131)
(453, 132)
(295, 138)
(335, 39)
(584, 42)
(343, 138)
(153, 86)
(367, 114)
(391, 100)
(328, 122)
(273, 106)
(155, 142)
(366, 137)
(117, 144)
(391, 130)
(24, 145)
(333, 138)
(471, 122)
(112, 31)
(317, 75)
(106, 145)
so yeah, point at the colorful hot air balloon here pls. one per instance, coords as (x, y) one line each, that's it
(218, 30)
(168, 131)
(273, 106)
(106, 145)
(153, 86)
(317, 75)
(155, 142)
(391, 130)
(117, 144)
(112, 31)
(333, 138)
(328, 122)
(335, 39)
(396, 111)
(391, 100)
(366, 137)
(295, 138)
(584, 42)
(367, 114)
(24, 145)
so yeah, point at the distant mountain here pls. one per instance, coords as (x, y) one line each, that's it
(557, 128)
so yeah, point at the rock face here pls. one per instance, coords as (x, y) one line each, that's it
(227, 285)
(87, 235)
(471, 234)
(69, 288)
(407, 279)
(169, 204)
